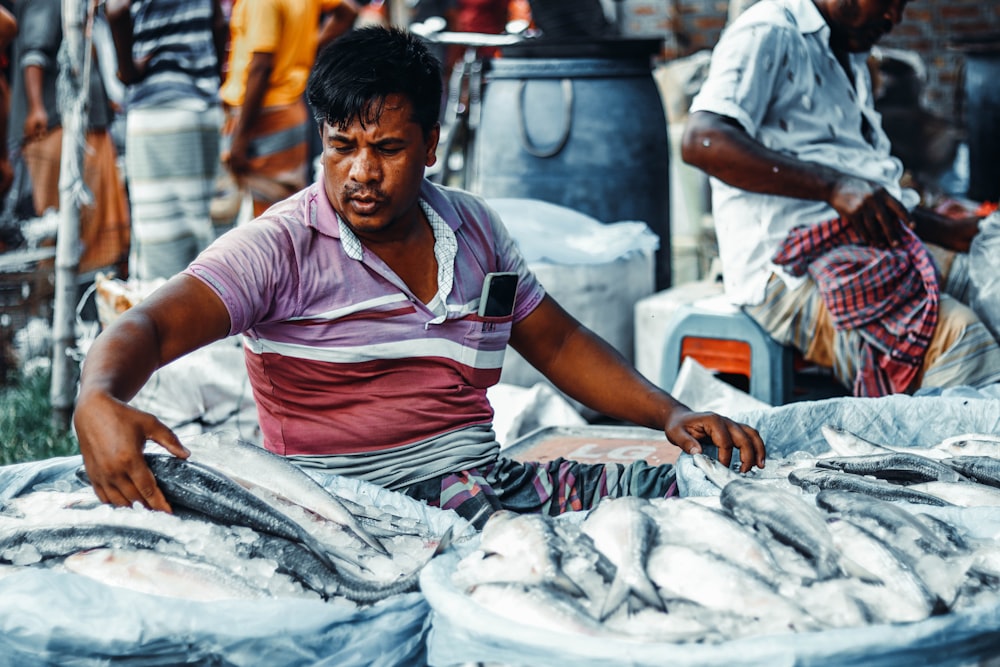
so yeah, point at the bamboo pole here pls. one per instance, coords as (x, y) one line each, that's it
(74, 76)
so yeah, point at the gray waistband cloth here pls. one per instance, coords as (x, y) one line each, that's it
(400, 467)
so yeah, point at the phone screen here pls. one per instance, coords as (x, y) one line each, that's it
(499, 290)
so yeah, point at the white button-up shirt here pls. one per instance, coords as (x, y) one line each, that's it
(773, 71)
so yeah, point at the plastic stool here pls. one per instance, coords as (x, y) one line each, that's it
(723, 338)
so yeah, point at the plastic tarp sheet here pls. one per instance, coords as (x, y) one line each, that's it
(49, 617)
(900, 420)
(547, 232)
(463, 631)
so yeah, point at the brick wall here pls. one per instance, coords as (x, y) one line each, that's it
(929, 27)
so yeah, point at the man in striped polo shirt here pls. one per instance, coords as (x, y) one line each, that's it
(370, 340)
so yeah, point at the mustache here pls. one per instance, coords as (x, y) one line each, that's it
(356, 190)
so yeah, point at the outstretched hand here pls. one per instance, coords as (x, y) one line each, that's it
(112, 437)
(685, 428)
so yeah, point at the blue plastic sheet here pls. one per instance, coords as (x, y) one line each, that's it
(58, 618)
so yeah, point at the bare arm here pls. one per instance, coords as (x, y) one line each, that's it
(588, 369)
(261, 66)
(36, 121)
(178, 318)
(720, 147)
(339, 21)
(120, 22)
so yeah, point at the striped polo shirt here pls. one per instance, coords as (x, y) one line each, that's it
(342, 357)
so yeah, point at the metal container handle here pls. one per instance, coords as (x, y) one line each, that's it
(526, 142)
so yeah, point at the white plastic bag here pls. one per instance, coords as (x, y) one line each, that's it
(984, 271)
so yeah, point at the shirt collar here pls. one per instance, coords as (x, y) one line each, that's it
(808, 18)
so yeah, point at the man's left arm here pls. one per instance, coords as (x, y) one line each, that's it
(947, 232)
(588, 369)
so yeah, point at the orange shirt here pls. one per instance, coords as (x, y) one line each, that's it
(288, 29)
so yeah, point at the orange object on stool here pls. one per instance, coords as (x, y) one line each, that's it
(724, 339)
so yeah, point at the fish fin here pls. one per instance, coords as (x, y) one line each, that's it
(618, 593)
(853, 568)
(368, 538)
(562, 581)
(646, 591)
(445, 542)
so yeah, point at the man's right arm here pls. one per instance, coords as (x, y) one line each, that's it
(179, 317)
(720, 147)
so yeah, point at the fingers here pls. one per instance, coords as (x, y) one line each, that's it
(725, 434)
(163, 436)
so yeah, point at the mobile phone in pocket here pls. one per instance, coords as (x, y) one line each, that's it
(499, 290)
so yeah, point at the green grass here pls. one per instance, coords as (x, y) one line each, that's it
(26, 429)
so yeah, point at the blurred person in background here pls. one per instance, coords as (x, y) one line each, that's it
(35, 125)
(273, 44)
(169, 55)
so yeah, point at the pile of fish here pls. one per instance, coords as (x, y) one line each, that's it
(963, 470)
(783, 551)
(246, 524)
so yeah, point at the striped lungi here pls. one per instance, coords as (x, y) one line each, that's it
(552, 487)
(171, 160)
(278, 153)
(961, 352)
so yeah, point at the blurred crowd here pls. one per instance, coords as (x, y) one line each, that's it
(195, 114)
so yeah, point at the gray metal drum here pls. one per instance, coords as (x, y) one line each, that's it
(581, 126)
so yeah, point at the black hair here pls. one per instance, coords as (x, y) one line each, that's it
(354, 74)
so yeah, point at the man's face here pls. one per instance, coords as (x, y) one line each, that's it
(372, 173)
(860, 24)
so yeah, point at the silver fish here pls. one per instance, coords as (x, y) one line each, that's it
(888, 520)
(157, 573)
(249, 463)
(716, 473)
(971, 444)
(787, 518)
(683, 521)
(983, 469)
(33, 542)
(684, 572)
(624, 533)
(516, 548)
(964, 494)
(303, 565)
(539, 607)
(892, 568)
(845, 443)
(899, 467)
(203, 490)
(818, 479)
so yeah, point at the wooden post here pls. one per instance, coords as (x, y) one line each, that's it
(74, 75)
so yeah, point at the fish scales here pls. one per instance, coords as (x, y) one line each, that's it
(983, 469)
(818, 479)
(247, 462)
(787, 518)
(846, 443)
(57, 541)
(518, 548)
(893, 519)
(893, 467)
(624, 533)
(203, 490)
